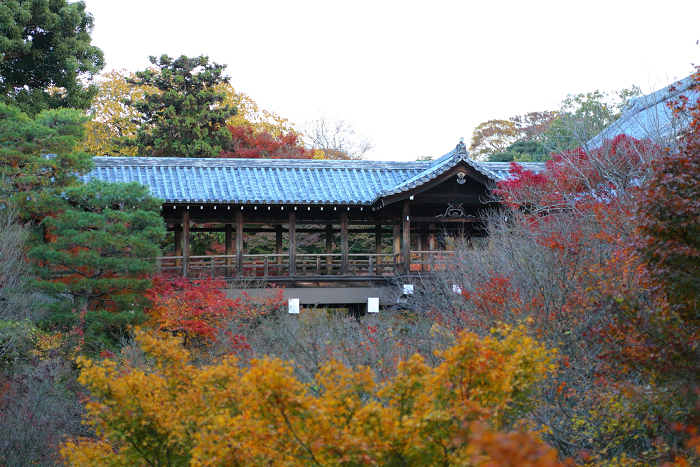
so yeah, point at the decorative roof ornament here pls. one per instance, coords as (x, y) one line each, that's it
(461, 148)
(455, 210)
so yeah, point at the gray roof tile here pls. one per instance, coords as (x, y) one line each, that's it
(650, 117)
(261, 181)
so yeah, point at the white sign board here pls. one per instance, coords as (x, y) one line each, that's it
(408, 289)
(373, 305)
(294, 306)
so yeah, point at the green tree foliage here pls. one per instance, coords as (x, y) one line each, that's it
(583, 116)
(112, 119)
(46, 44)
(493, 137)
(495, 140)
(102, 248)
(534, 125)
(39, 157)
(522, 151)
(186, 117)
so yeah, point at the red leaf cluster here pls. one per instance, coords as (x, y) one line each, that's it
(189, 307)
(249, 144)
(579, 178)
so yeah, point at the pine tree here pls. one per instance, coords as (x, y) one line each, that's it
(39, 157)
(187, 117)
(99, 253)
(46, 44)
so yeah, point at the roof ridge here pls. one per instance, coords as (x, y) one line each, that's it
(643, 102)
(240, 162)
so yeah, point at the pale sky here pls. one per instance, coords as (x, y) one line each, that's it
(412, 76)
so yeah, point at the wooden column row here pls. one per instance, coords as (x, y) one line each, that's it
(182, 241)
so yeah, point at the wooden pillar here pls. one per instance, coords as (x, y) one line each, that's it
(178, 244)
(406, 221)
(293, 243)
(185, 242)
(278, 249)
(329, 248)
(378, 247)
(432, 246)
(229, 247)
(239, 242)
(344, 243)
(396, 237)
(424, 245)
(419, 240)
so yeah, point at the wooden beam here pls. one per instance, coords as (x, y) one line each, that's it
(271, 230)
(239, 243)
(466, 220)
(453, 199)
(270, 220)
(344, 243)
(185, 241)
(292, 243)
(406, 221)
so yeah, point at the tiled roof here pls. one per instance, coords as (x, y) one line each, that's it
(650, 117)
(438, 167)
(265, 181)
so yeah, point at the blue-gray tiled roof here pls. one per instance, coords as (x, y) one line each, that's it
(650, 117)
(265, 181)
(440, 166)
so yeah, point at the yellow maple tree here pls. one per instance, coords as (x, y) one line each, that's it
(175, 413)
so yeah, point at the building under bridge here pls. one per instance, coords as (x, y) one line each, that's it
(412, 203)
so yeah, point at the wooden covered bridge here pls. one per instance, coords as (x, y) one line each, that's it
(415, 204)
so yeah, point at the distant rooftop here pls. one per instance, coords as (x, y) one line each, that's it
(649, 116)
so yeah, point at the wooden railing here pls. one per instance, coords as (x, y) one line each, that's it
(306, 264)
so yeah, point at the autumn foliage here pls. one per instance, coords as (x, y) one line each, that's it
(176, 413)
(251, 144)
(198, 310)
(600, 251)
(582, 178)
(192, 308)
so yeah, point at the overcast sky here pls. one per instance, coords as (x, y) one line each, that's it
(412, 76)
